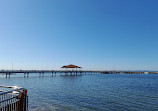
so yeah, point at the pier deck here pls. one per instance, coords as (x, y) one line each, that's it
(70, 72)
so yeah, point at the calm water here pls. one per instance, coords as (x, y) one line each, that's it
(115, 92)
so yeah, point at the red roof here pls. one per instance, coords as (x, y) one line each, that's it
(71, 66)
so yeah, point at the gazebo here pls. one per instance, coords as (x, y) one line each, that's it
(72, 72)
(71, 66)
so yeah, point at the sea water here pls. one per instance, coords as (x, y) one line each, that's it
(91, 92)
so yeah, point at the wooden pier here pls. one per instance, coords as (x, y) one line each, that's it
(41, 73)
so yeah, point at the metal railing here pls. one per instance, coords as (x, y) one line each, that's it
(14, 99)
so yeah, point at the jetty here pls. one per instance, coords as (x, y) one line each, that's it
(26, 73)
(70, 70)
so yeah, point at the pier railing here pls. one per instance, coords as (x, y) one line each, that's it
(13, 98)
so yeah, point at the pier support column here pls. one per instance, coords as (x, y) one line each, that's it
(76, 73)
(9, 75)
(40, 74)
(6, 75)
(43, 74)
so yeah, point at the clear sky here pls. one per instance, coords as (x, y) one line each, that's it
(94, 34)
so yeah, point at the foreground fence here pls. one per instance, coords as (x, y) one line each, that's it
(13, 98)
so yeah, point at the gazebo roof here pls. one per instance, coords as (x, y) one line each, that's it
(70, 66)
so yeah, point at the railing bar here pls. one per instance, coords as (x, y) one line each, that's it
(13, 104)
(11, 91)
(7, 99)
(18, 105)
(27, 102)
(8, 106)
(2, 97)
(4, 103)
(10, 102)
(14, 107)
(7, 103)
(10, 87)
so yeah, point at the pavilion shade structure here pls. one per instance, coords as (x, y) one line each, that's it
(71, 66)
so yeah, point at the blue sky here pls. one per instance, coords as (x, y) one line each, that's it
(94, 34)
